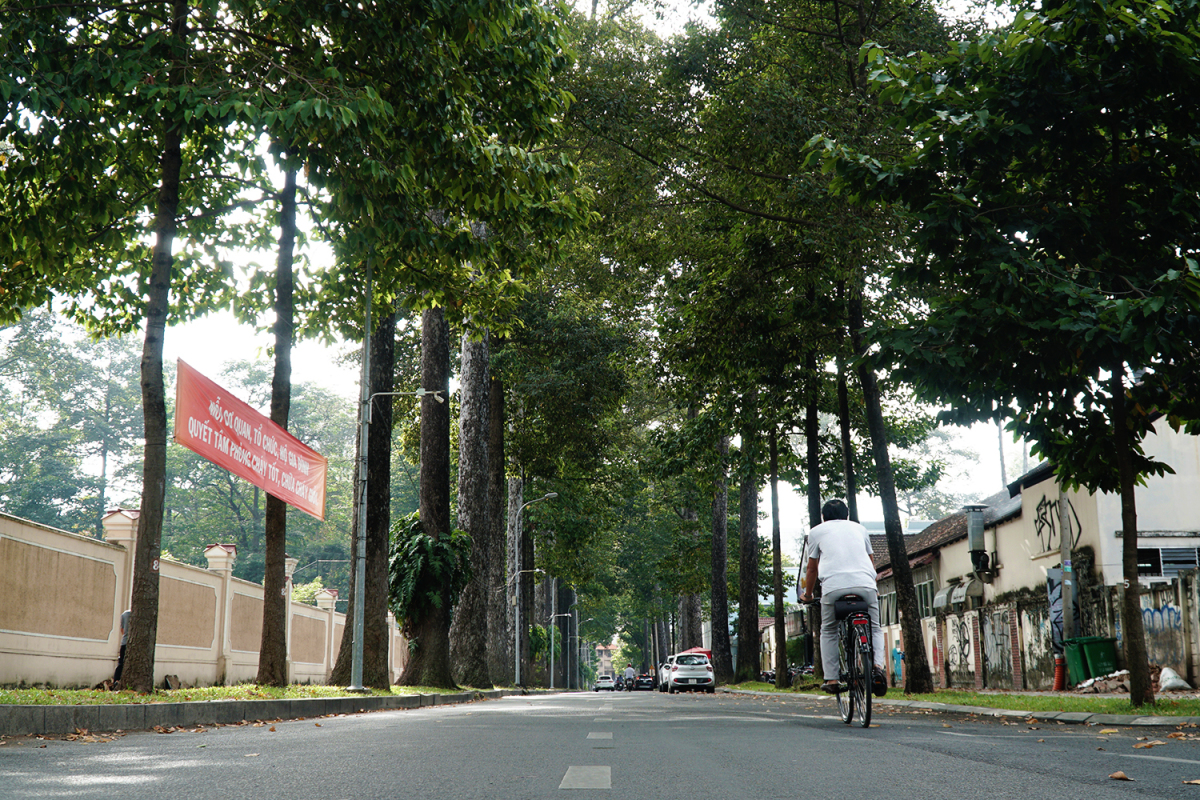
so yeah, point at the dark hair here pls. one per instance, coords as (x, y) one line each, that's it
(835, 509)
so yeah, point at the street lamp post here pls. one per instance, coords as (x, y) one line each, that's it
(516, 576)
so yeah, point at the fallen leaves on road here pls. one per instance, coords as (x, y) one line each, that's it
(317, 724)
(1120, 776)
(1176, 735)
(251, 755)
(1145, 745)
(1041, 740)
(271, 729)
(1110, 730)
(1194, 783)
(947, 725)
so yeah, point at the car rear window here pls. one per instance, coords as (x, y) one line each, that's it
(691, 661)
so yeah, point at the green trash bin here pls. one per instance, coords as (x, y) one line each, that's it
(1101, 655)
(1077, 667)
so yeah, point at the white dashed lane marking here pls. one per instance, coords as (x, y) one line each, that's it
(595, 735)
(587, 778)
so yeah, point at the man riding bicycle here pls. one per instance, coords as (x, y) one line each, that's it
(840, 557)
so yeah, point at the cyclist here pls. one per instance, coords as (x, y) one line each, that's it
(840, 557)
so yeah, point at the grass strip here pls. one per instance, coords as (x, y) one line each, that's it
(1165, 706)
(246, 691)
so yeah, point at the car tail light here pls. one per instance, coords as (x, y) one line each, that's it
(709, 666)
(674, 667)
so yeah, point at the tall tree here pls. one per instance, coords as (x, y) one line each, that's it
(272, 651)
(429, 657)
(1048, 184)
(722, 655)
(469, 630)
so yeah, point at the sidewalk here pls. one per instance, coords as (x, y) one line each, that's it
(1066, 717)
(63, 720)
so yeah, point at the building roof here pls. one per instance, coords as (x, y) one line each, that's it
(1000, 507)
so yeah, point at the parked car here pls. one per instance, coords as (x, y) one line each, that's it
(645, 681)
(664, 672)
(690, 672)
(606, 682)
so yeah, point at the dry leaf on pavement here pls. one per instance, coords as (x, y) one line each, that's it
(1120, 776)
(1196, 783)
(1110, 730)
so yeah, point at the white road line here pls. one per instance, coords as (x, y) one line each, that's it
(595, 735)
(1159, 758)
(587, 778)
(602, 719)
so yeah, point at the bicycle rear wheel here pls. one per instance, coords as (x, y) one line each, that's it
(860, 686)
(845, 699)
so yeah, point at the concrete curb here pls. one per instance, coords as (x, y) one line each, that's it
(1065, 717)
(59, 720)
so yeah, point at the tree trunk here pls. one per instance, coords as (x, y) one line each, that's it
(781, 674)
(469, 631)
(429, 661)
(748, 664)
(517, 578)
(376, 672)
(499, 621)
(812, 431)
(138, 673)
(812, 442)
(851, 477)
(272, 651)
(1141, 690)
(721, 649)
(917, 678)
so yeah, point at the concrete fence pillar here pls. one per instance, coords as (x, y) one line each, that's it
(120, 528)
(289, 568)
(221, 558)
(327, 602)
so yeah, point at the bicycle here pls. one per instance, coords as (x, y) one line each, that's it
(856, 658)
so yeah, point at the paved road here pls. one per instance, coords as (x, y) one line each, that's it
(640, 746)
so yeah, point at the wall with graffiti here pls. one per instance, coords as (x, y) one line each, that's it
(1037, 648)
(960, 649)
(1162, 618)
(995, 647)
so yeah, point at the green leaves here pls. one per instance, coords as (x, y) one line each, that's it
(425, 572)
(1049, 181)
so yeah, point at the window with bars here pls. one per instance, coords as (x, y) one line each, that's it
(1166, 562)
(889, 613)
(925, 599)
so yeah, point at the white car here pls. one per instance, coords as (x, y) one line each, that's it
(664, 672)
(690, 672)
(606, 682)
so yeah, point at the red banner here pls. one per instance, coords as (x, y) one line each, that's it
(228, 432)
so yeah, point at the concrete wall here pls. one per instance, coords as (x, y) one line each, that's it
(1168, 508)
(62, 595)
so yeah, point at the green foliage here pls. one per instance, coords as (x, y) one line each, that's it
(307, 592)
(425, 572)
(1057, 237)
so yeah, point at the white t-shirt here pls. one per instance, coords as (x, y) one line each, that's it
(630, 672)
(843, 550)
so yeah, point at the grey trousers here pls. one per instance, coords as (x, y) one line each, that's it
(829, 629)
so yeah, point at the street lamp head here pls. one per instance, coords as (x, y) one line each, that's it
(551, 495)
